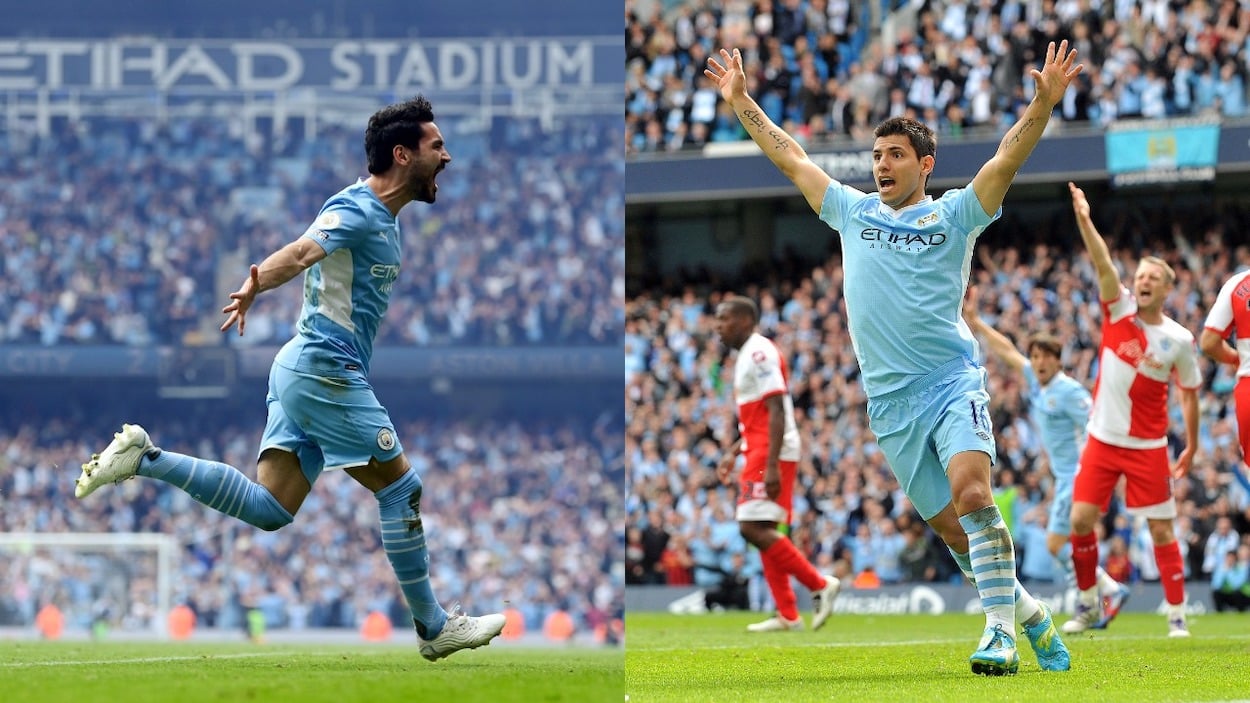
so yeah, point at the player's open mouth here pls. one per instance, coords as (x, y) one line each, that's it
(884, 183)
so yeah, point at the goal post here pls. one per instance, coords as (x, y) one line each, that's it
(39, 560)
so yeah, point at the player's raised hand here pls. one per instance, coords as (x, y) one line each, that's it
(1056, 73)
(1080, 205)
(730, 76)
(241, 300)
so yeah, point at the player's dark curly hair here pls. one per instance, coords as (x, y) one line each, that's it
(401, 123)
(922, 138)
(918, 133)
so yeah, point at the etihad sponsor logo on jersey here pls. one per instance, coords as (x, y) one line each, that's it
(902, 241)
(387, 273)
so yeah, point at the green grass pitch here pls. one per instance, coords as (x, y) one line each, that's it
(924, 658)
(189, 672)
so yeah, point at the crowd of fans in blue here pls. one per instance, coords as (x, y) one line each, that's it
(828, 70)
(127, 231)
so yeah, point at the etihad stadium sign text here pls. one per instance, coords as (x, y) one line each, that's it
(430, 64)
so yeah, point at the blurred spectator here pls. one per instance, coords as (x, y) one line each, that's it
(1220, 542)
(1230, 582)
(732, 590)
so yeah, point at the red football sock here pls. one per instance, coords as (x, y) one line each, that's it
(789, 558)
(1085, 560)
(779, 584)
(1171, 572)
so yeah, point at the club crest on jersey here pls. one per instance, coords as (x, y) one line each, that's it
(758, 356)
(927, 219)
(386, 439)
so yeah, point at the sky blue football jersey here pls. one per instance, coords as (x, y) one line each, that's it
(1060, 412)
(346, 293)
(906, 272)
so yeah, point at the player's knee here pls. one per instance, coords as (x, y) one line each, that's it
(1161, 533)
(273, 522)
(1083, 518)
(972, 497)
(757, 534)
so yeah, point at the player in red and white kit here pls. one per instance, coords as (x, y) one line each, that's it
(1231, 314)
(769, 442)
(1141, 350)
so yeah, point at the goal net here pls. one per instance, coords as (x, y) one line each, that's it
(121, 579)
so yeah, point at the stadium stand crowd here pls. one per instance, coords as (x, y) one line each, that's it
(523, 248)
(850, 515)
(501, 501)
(828, 70)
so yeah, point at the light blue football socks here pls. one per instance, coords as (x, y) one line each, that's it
(1064, 559)
(219, 486)
(993, 560)
(403, 538)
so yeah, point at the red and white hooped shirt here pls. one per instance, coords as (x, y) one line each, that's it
(760, 373)
(1231, 311)
(1135, 363)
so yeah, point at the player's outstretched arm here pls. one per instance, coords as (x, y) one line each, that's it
(278, 268)
(995, 177)
(779, 147)
(998, 342)
(1108, 278)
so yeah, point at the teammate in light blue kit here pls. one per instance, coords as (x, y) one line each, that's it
(1059, 408)
(323, 413)
(906, 259)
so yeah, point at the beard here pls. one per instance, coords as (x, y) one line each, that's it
(426, 191)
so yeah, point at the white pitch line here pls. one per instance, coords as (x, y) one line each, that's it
(790, 644)
(155, 660)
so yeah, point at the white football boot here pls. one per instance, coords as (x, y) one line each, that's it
(118, 462)
(822, 601)
(776, 624)
(462, 632)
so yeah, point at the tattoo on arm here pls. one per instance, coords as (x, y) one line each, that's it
(754, 118)
(1023, 128)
